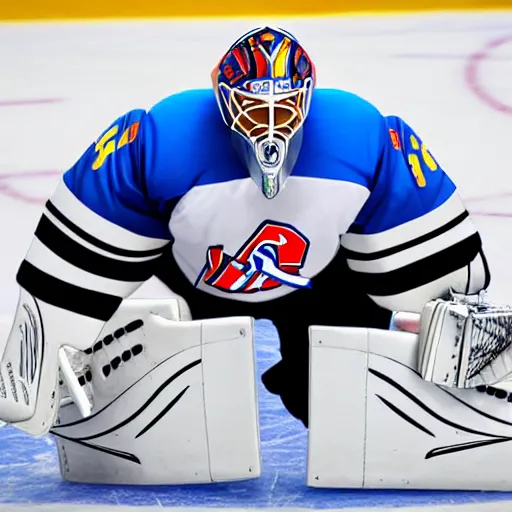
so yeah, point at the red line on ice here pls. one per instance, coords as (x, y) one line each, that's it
(12, 192)
(473, 78)
(31, 101)
(27, 174)
(492, 214)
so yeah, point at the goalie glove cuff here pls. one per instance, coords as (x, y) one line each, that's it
(464, 341)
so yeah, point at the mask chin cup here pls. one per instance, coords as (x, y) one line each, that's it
(271, 157)
(270, 161)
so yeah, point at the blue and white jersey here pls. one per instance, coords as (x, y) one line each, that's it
(364, 184)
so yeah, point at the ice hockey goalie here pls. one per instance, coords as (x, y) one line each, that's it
(263, 197)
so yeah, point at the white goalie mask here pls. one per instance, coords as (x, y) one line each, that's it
(263, 87)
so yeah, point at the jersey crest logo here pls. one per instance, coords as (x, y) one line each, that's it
(272, 256)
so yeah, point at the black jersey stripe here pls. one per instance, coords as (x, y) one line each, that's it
(73, 252)
(423, 271)
(486, 270)
(97, 242)
(64, 295)
(361, 256)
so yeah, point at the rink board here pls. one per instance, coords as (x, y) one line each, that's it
(29, 472)
(118, 9)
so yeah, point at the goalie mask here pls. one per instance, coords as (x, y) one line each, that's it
(263, 86)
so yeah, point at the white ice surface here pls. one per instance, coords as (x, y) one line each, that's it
(448, 75)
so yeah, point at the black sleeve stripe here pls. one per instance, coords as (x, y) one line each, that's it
(486, 269)
(66, 248)
(468, 280)
(66, 296)
(95, 241)
(423, 271)
(361, 256)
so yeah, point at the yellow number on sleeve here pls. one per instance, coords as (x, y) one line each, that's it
(128, 135)
(107, 144)
(104, 147)
(414, 161)
(427, 158)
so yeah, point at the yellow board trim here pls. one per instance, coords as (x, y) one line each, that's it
(52, 10)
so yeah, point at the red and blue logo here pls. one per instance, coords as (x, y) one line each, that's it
(271, 257)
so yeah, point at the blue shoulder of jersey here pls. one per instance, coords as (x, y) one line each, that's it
(140, 166)
(409, 182)
(189, 143)
(110, 181)
(342, 138)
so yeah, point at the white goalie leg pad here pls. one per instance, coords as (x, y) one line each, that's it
(173, 401)
(29, 361)
(375, 423)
